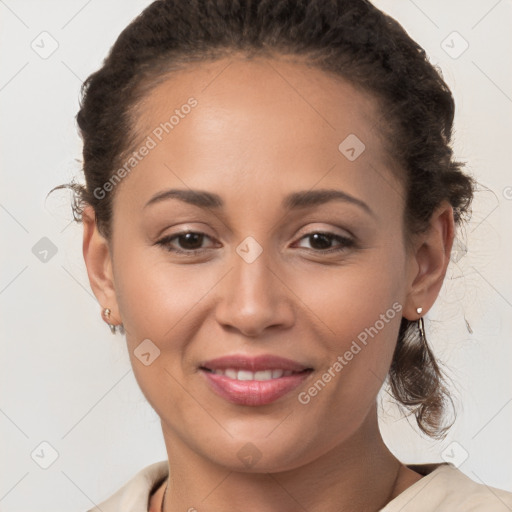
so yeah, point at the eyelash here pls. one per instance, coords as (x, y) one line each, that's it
(166, 241)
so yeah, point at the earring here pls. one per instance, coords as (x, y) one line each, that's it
(106, 314)
(421, 324)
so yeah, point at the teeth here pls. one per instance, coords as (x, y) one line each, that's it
(232, 374)
(261, 375)
(264, 375)
(245, 375)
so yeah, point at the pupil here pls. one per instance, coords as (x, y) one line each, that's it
(321, 241)
(190, 240)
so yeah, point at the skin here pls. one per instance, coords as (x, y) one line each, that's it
(264, 128)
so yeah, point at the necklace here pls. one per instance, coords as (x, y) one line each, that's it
(394, 484)
(163, 499)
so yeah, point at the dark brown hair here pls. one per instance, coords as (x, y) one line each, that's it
(350, 38)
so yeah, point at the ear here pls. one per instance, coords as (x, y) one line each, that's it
(428, 262)
(98, 260)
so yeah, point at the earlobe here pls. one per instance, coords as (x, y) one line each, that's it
(98, 261)
(431, 259)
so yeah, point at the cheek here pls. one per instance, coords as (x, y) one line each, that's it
(352, 297)
(358, 309)
(155, 295)
(158, 302)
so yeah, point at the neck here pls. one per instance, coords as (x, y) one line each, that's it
(358, 474)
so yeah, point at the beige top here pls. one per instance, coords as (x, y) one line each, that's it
(444, 489)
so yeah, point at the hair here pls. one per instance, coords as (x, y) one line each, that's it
(351, 39)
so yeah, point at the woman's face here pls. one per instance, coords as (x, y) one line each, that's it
(264, 138)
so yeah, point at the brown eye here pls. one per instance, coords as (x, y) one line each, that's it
(190, 242)
(322, 242)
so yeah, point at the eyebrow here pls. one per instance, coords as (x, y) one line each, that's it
(293, 201)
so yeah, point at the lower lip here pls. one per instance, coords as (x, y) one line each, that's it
(253, 392)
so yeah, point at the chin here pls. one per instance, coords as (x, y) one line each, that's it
(260, 453)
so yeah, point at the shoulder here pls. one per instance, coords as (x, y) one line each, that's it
(134, 495)
(444, 488)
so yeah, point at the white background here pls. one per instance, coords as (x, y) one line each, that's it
(67, 381)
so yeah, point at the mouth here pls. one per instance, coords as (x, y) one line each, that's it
(261, 375)
(256, 381)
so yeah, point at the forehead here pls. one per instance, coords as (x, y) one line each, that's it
(229, 88)
(259, 124)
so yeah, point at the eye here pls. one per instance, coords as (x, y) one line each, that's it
(189, 242)
(321, 242)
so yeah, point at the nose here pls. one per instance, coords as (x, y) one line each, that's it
(255, 297)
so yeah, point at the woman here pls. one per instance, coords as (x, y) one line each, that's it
(270, 205)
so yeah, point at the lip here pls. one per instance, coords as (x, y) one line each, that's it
(253, 392)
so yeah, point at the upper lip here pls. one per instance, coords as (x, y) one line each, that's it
(254, 364)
